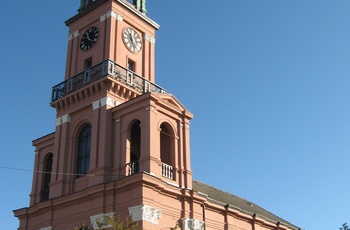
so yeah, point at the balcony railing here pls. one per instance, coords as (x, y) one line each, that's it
(99, 71)
(45, 192)
(167, 171)
(132, 168)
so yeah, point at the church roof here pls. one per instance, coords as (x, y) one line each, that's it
(224, 198)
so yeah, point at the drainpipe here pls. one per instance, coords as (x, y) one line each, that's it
(203, 211)
(226, 216)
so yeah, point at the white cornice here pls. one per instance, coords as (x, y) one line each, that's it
(138, 13)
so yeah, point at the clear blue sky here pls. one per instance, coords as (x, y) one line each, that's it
(268, 82)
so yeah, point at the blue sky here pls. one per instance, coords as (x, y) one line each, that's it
(268, 82)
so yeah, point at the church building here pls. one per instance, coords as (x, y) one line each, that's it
(122, 142)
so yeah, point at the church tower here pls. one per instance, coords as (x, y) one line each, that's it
(121, 142)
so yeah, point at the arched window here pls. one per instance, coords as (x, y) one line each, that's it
(135, 147)
(47, 169)
(166, 154)
(165, 144)
(84, 150)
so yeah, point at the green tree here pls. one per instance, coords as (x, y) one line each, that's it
(113, 222)
(344, 227)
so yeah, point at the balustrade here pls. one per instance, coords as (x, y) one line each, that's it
(132, 168)
(45, 192)
(99, 71)
(167, 171)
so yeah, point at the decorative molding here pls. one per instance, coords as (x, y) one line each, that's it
(102, 102)
(113, 14)
(192, 224)
(100, 220)
(47, 228)
(76, 33)
(73, 35)
(96, 104)
(58, 121)
(146, 213)
(107, 101)
(149, 38)
(151, 108)
(64, 119)
(138, 13)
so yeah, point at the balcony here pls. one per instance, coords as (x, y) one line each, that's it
(132, 168)
(104, 69)
(44, 195)
(167, 171)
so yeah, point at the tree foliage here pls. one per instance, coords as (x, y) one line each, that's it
(113, 222)
(344, 227)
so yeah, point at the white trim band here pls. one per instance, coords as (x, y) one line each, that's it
(149, 38)
(103, 102)
(73, 35)
(64, 119)
(113, 14)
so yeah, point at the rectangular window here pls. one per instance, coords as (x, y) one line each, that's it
(131, 65)
(88, 63)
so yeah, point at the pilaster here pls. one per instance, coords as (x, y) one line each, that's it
(60, 162)
(101, 158)
(35, 194)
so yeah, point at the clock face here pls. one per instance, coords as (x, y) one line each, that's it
(132, 40)
(89, 38)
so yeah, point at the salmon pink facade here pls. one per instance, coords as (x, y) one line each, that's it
(122, 143)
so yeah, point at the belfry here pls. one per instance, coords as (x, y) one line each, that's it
(122, 142)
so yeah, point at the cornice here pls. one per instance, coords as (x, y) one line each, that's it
(124, 3)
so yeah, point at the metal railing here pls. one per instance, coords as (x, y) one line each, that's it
(99, 71)
(132, 168)
(45, 193)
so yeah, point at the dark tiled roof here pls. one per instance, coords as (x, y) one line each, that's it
(220, 197)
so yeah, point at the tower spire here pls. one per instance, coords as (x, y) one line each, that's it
(140, 5)
(84, 4)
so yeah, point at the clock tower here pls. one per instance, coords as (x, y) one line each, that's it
(121, 143)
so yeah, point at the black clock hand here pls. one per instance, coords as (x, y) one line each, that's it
(88, 38)
(132, 41)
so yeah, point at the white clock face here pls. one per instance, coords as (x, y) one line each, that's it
(132, 40)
